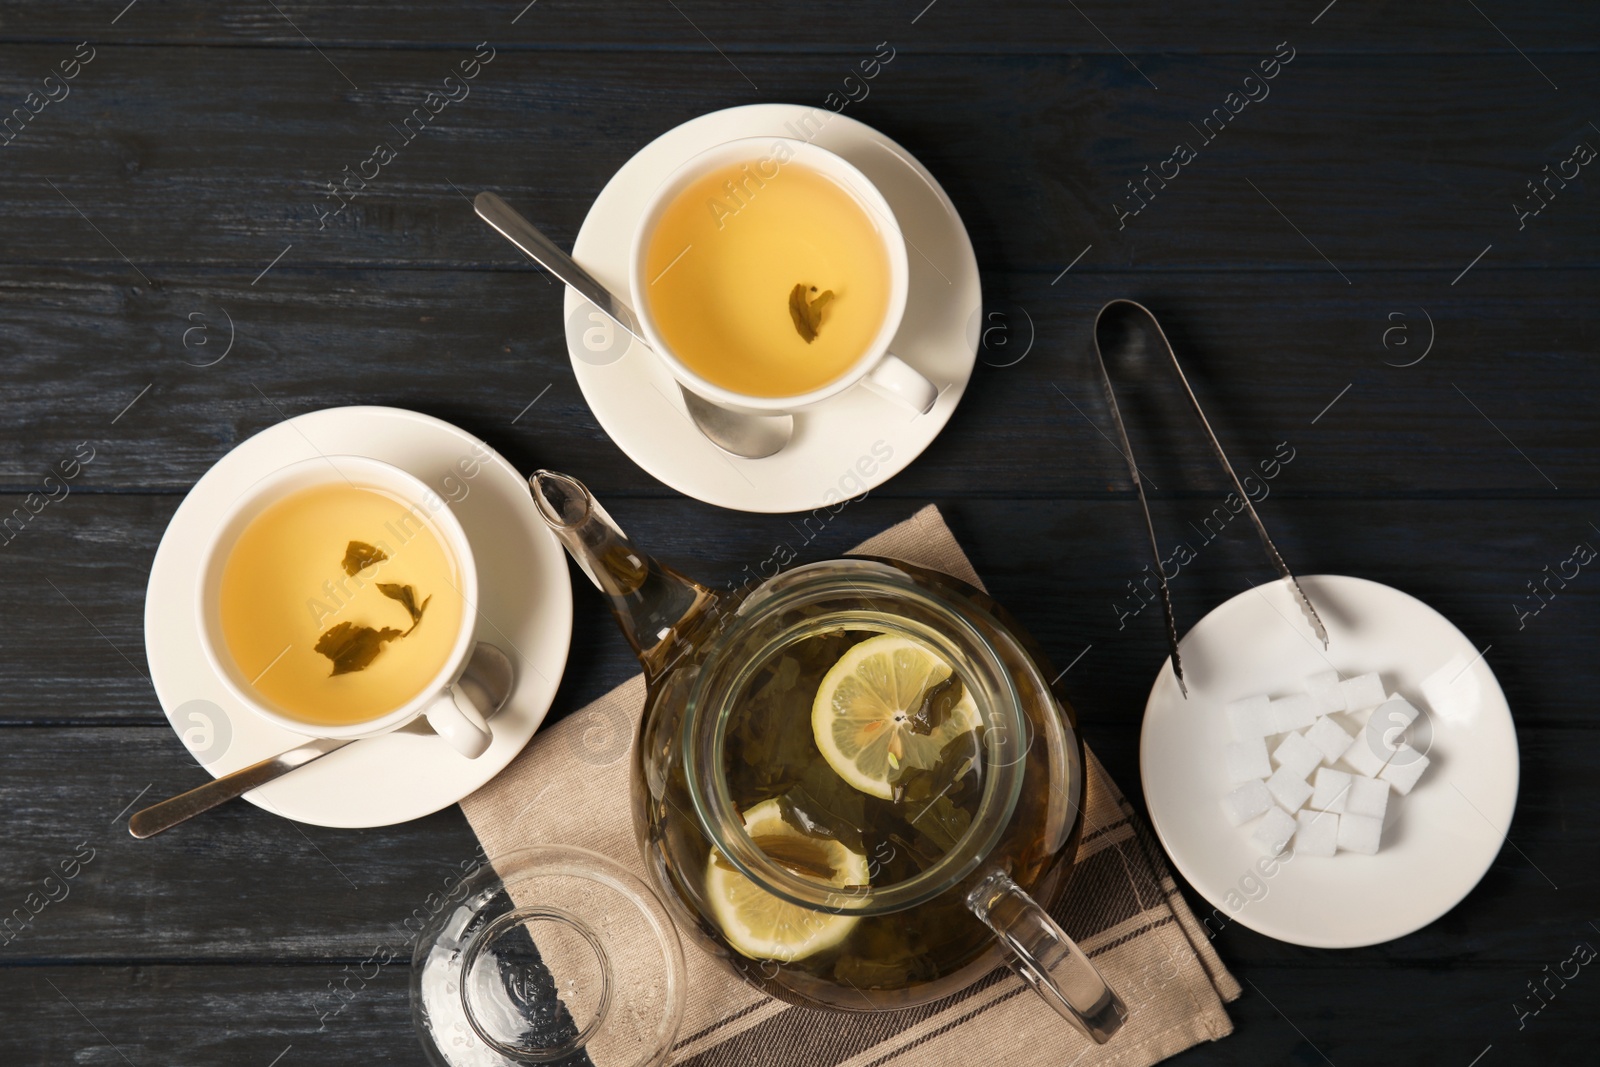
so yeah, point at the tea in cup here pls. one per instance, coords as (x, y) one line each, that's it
(770, 275)
(338, 600)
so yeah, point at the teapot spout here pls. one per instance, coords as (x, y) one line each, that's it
(653, 604)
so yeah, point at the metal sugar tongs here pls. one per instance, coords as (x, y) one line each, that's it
(1138, 326)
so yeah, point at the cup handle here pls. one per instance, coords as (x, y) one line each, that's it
(1046, 958)
(455, 717)
(894, 379)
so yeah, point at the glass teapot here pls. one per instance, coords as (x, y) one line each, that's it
(852, 783)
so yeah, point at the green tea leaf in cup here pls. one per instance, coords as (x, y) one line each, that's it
(359, 555)
(818, 302)
(352, 646)
(807, 313)
(798, 311)
(407, 597)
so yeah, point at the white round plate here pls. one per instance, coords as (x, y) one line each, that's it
(1437, 842)
(525, 608)
(842, 447)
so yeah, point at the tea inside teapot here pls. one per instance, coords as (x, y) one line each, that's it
(851, 782)
(848, 760)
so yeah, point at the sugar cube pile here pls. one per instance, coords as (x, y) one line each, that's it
(1336, 753)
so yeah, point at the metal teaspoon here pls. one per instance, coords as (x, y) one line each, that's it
(489, 670)
(738, 434)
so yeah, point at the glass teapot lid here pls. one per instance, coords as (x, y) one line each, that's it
(856, 596)
(549, 953)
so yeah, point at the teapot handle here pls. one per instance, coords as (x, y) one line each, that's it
(1046, 957)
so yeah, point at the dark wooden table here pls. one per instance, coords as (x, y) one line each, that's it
(1374, 198)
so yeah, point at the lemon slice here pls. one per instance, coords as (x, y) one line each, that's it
(862, 711)
(765, 927)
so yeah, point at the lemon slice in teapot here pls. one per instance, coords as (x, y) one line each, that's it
(762, 926)
(868, 715)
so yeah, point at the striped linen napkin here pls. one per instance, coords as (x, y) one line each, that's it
(570, 786)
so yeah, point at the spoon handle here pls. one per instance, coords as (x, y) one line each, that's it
(185, 806)
(526, 236)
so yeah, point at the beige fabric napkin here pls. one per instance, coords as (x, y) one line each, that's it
(570, 786)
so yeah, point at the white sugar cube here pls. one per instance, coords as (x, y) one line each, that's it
(1251, 717)
(1397, 711)
(1329, 739)
(1366, 758)
(1292, 713)
(1445, 697)
(1381, 738)
(1289, 788)
(1317, 833)
(1246, 802)
(1357, 720)
(1325, 691)
(1368, 796)
(1332, 789)
(1362, 692)
(1274, 830)
(1360, 833)
(1297, 754)
(1404, 769)
(1390, 721)
(1247, 759)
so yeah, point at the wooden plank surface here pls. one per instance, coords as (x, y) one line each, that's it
(1328, 223)
(1036, 152)
(1092, 26)
(1267, 351)
(163, 1013)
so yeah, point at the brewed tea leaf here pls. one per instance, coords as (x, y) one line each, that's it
(784, 677)
(859, 973)
(359, 555)
(943, 823)
(407, 597)
(769, 734)
(937, 702)
(807, 314)
(814, 309)
(798, 312)
(799, 857)
(890, 955)
(823, 803)
(917, 854)
(959, 756)
(862, 972)
(352, 646)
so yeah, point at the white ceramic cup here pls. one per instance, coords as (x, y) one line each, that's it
(876, 368)
(447, 706)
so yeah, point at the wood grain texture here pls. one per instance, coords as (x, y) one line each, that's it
(191, 156)
(1267, 351)
(217, 1014)
(147, 205)
(1096, 26)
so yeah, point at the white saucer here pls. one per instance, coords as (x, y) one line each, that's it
(840, 448)
(525, 608)
(1437, 842)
